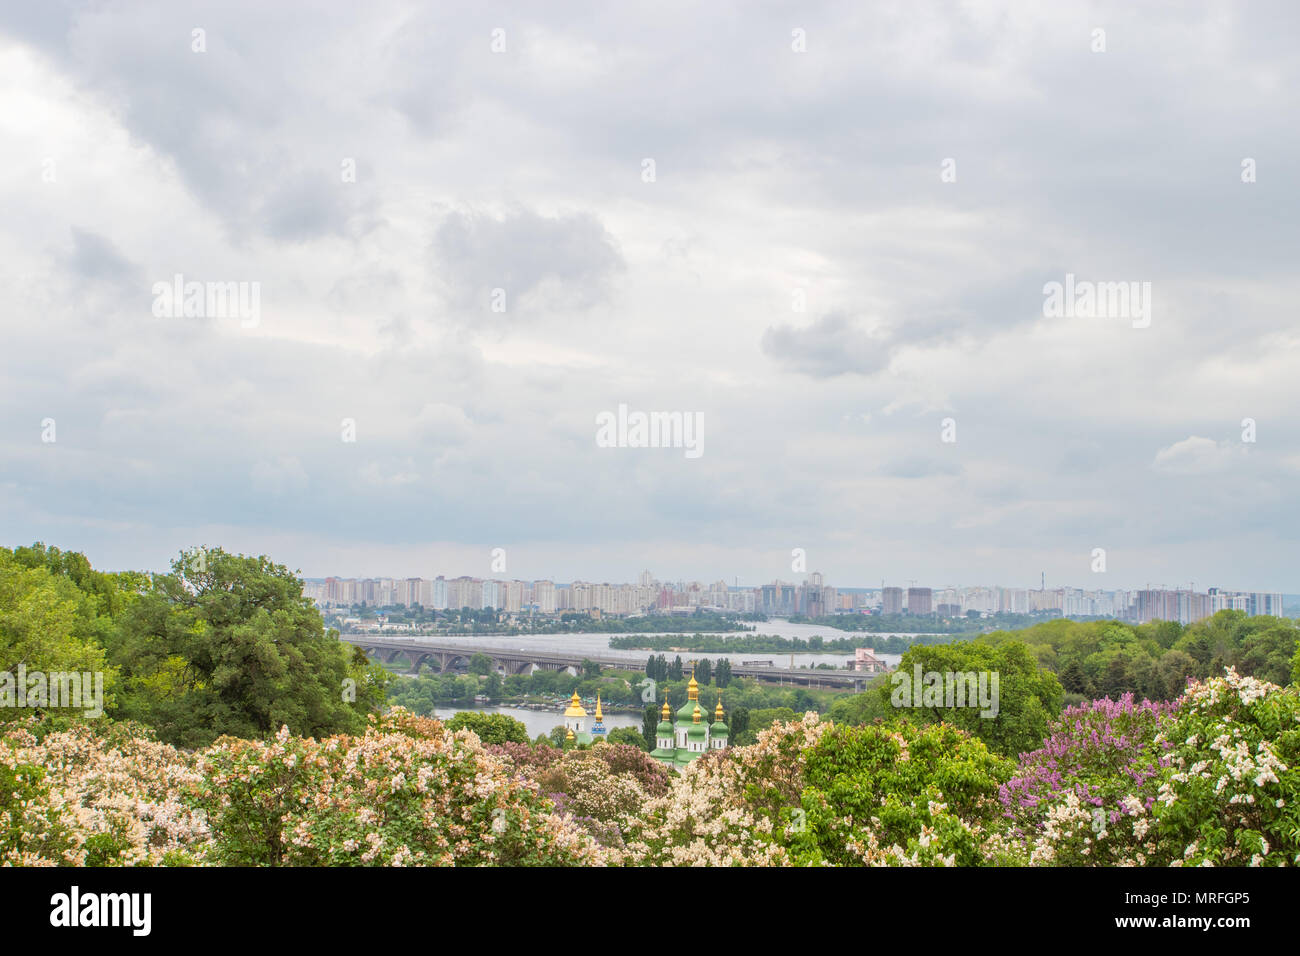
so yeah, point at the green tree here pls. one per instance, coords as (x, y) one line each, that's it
(890, 785)
(675, 668)
(1028, 696)
(229, 645)
(491, 728)
(480, 664)
(627, 735)
(649, 723)
(47, 623)
(740, 734)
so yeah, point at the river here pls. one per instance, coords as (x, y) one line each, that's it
(539, 721)
(597, 645)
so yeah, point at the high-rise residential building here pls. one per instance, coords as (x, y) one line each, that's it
(1043, 600)
(1265, 603)
(891, 601)
(919, 601)
(463, 592)
(544, 596)
(514, 596)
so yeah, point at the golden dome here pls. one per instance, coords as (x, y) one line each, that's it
(698, 713)
(599, 715)
(717, 711)
(667, 711)
(575, 707)
(692, 689)
(569, 735)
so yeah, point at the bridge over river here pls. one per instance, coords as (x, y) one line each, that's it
(441, 656)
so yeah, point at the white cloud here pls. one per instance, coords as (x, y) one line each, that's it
(1194, 456)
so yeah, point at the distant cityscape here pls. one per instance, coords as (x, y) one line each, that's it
(813, 598)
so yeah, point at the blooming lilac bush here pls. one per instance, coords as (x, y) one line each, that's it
(96, 795)
(898, 795)
(728, 808)
(1078, 799)
(408, 792)
(1211, 779)
(1231, 795)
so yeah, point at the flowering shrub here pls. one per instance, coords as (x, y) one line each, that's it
(1231, 795)
(527, 759)
(728, 808)
(96, 795)
(406, 793)
(599, 800)
(1084, 797)
(599, 786)
(624, 759)
(1212, 779)
(898, 794)
(36, 828)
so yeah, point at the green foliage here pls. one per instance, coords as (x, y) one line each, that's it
(628, 735)
(1231, 795)
(928, 792)
(491, 728)
(1154, 661)
(649, 723)
(47, 622)
(864, 708)
(1028, 696)
(31, 829)
(229, 645)
(738, 725)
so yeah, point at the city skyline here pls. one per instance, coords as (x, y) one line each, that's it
(789, 578)
(812, 598)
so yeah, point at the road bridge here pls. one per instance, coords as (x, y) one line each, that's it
(449, 655)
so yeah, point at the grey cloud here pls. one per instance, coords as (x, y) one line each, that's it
(834, 344)
(570, 260)
(95, 258)
(820, 169)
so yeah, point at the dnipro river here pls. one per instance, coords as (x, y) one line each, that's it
(542, 721)
(598, 645)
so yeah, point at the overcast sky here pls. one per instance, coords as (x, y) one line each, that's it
(127, 157)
